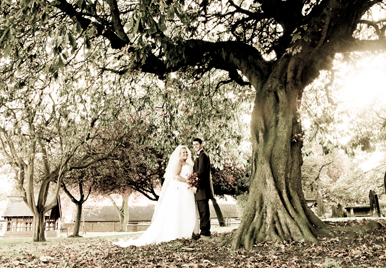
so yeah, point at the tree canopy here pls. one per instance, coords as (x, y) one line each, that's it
(276, 47)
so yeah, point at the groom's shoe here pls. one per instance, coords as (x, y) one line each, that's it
(195, 236)
(206, 234)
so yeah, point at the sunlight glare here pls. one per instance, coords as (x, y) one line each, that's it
(365, 84)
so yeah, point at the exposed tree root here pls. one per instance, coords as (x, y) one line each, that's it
(74, 236)
(277, 217)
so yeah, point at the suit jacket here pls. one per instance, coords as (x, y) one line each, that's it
(202, 169)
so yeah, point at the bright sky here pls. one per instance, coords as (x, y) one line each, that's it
(362, 86)
(365, 83)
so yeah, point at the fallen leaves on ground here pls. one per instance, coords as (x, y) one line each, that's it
(346, 249)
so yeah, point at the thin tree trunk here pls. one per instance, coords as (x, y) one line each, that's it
(123, 212)
(384, 181)
(219, 215)
(38, 228)
(79, 205)
(78, 219)
(124, 218)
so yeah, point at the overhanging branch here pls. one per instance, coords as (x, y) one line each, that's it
(102, 30)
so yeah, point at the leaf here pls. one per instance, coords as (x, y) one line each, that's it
(78, 27)
(71, 40)
(26, 3)
(87, 42)
(153, 28)
(7, 51)
(5, 34)
(137, 26)
(60, 63)
(181, 16)
(170, 13)
(161, 24)
(81, 3)
(45, 17)
(46, 259)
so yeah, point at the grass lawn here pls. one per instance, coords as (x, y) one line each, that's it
(347, 248)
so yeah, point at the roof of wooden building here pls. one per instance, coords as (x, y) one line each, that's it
(16, 207)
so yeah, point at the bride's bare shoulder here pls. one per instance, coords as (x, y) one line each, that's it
(183, 163)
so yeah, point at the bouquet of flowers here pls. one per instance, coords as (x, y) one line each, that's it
(193, 180)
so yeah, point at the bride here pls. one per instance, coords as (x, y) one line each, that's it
(175, 214)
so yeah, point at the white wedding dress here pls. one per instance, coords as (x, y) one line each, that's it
(176, 215)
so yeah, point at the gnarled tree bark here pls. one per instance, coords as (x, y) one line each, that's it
(276, 209)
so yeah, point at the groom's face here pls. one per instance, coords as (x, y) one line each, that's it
(197, 146)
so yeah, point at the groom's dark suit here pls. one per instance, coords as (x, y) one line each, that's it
(204, 192)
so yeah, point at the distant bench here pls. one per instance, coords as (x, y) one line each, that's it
(358, 211)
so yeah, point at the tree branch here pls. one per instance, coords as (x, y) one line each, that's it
(70, 11)
(45, 156)
(117, 24)
(73, 199)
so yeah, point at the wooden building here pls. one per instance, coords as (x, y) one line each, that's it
(2, 226)
(19, 219)
(105, 218)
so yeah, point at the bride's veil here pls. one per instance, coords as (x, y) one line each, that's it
(173, 161)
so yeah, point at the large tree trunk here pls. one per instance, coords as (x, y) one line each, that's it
(38, 228)
(276, 209)
(78, 219)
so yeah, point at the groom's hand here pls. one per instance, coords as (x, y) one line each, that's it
(194, 189)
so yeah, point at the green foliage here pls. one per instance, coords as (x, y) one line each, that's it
(88, 53)
(340, 129)
(355, 185)
(186, 108)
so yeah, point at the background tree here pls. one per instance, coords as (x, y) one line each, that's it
(45, 123)
(127, 170)
(78, 182)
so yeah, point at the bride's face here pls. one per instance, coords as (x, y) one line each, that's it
(184, 154)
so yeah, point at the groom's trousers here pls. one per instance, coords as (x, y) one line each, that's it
(203, 210)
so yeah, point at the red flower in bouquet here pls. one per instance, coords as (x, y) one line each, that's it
(193, 180)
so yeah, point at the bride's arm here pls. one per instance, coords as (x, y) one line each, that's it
(176, 172)
(181, 179)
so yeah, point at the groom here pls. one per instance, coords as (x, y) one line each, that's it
(204, 191)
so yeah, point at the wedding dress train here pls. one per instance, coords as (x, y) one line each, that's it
(176, 215)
